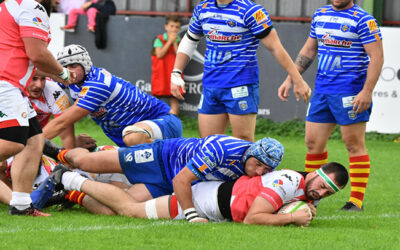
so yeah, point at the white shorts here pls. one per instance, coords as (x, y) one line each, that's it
(205, 201)
(15, 107)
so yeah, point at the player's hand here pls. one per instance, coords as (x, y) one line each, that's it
(313, 210)
(362, 101)
(301, 89)
(283, 91)
(176, 84)
(302, 218)
(85, 141)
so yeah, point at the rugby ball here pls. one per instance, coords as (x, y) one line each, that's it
(293, 207)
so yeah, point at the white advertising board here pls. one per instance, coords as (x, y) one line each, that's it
(385, 117)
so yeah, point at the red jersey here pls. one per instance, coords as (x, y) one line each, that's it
(279, 187)
(19, 19)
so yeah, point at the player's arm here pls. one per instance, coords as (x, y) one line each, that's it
(68, 137)
(262, 212)
(274, 45)
(303, 61)
(185, 51)
(182, 184)
(375, 52)
(41, 57)
(68, 118)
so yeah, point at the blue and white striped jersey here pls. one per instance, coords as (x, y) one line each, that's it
(115, 103)
(215, 157)
(232, 36)
(343, 61)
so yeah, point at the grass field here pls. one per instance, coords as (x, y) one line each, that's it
(378, 227)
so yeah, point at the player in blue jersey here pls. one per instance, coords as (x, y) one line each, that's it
(170, 165)
(127, 115)
(233, 30)
(348, 42)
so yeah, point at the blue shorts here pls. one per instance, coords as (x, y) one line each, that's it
(143, 164)
(240, 100)
(170, 126)
(335, 108)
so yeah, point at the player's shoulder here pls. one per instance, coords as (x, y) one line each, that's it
(323, 10)
(283, 177)
(52, 90)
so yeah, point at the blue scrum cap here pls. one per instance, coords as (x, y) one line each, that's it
(267, 150)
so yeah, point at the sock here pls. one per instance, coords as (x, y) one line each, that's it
(75, 196)
(359, 173)
(20, 200)
(315, 161)
(73, 180)
(61, 156)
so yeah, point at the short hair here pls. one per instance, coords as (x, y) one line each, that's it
(341, 174)
(173, 18)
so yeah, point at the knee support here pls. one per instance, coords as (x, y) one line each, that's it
(135, 129)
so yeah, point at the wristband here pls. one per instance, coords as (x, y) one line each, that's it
(190, 214)
(178, 71)
(64, 74)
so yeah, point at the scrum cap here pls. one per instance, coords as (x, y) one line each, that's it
(75, 54)
(267, 150)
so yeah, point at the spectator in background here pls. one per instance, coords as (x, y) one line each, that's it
(86, 8)
(163, 57)
(66, 6)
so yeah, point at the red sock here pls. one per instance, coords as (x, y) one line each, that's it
(61, 156)
(75, 196)
(359, 174)
(315, 161)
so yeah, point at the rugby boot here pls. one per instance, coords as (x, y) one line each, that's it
(30, 211)
(43, 193)
(351, 207)
(56, 175)
(51, 149)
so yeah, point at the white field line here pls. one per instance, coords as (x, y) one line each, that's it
(174, 223)
(90, 228)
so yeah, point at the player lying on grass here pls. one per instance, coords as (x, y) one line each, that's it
(165, 166)
(251, 200)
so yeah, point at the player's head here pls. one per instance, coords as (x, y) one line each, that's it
(326, 181)
(342, 4)
(36, 86)
(173, 23)
(75, 54)
(263, 156)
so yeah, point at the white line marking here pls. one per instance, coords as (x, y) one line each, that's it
(356, 216)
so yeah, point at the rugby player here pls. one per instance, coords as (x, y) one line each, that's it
(127, 115)
(349, 46)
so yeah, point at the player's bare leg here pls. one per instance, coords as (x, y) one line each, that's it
(243, 126)
(97, 162)
(174, 103)
(5, 193)
(317, 135)
(212, 124)
(9, 148)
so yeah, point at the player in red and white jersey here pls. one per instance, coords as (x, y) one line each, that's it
(24, 36)
(48, 99)
(251, 200)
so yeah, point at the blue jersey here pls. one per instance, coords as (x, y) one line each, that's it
(216, 157)
(343, 61)
(232, 35)
(115, 103)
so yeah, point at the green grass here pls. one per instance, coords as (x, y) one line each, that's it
(377, 227)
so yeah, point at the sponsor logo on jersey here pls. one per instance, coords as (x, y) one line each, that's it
(203, 167)
(204, 5)
(63, 103)
(37, 21)
(39, 7)
(145, 155)
(56, 94)
(231, 23)
(330, 41)
(83, 92)
(345, 27)
(24, 114)
(215, 36)
(277, 183)
(372, 26)
(2, 114)
(100, 113)
(260, 16)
